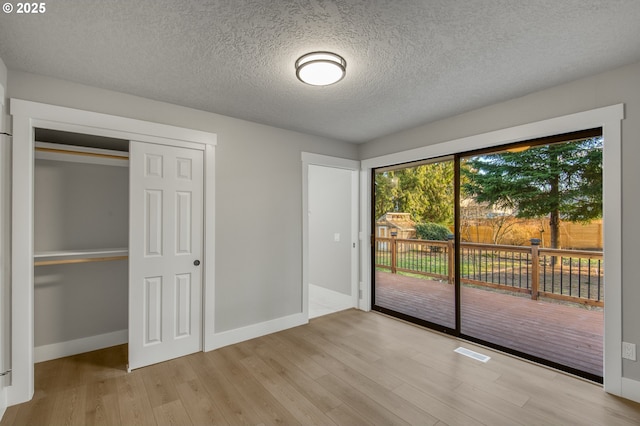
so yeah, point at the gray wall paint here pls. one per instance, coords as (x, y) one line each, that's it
(5, 260)
(330, 213)
(79, 300)
(258, 195)
(618, 86)
(80, 206)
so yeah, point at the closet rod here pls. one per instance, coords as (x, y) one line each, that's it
(89, 154)
(78, 260)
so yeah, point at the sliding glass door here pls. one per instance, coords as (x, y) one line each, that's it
(501, 246)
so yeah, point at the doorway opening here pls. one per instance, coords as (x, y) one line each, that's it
(330, 245)
(330, 234)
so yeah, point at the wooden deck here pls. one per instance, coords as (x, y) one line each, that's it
(567, 335)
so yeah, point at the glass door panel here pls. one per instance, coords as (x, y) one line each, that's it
(530, 251)
(413, 250)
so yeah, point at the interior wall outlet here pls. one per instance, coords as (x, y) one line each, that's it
(629, 351)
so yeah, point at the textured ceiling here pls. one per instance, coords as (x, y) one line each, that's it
(408, 62)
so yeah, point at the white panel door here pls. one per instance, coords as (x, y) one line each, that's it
(165, 251)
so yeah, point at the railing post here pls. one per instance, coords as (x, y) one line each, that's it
(535, 267)
(451, 258)
(394, 254)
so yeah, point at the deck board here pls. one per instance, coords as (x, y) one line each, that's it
(564, 334)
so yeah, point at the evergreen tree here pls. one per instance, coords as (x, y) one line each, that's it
(426, 192)
(561, 181)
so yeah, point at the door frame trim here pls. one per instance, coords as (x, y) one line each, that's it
(310, 159)
(609, 118)
(29, 115)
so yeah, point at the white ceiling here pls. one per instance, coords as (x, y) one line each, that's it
(408, 62)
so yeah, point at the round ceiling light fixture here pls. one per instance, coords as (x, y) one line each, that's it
(321, 68)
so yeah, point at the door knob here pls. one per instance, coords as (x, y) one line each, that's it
(196, 262)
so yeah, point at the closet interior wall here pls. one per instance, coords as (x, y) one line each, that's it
(81, 203)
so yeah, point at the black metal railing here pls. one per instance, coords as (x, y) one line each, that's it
(571, 275)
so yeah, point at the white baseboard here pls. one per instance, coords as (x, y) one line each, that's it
(226, 338)
(78, 346)
(630, 389)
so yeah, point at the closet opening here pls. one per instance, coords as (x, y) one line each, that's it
(81, 243)
(164, 293)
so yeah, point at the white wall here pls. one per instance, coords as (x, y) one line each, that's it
(613, 87)
(258, 195)
(330, 214)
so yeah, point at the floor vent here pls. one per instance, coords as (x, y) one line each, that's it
(472, 354)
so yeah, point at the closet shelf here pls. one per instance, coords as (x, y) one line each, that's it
(87, 154)
(61, 257)
(78, 154)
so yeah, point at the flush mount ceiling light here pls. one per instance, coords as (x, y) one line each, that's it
(320, 68)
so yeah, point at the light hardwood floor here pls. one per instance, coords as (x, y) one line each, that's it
(347, 368)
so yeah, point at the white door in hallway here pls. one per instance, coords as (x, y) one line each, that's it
(165, 251)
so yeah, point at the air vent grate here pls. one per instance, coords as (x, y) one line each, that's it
(472, 354)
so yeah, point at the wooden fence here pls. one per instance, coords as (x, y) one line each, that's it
(516, 231)
(568, 275)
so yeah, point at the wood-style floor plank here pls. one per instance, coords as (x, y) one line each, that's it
(256, 396)
(133, 400)
(298, 353)
(102, 403)
(345, 415)
(446, 413)
(171, 414)
(366, 407)
(37, 412)
(348, 368)
(295, 402)
(70, 406)
(202, 409)
(160, 387)
(343, 363)
(232, 403)
(298, 378)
